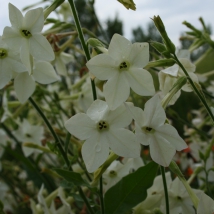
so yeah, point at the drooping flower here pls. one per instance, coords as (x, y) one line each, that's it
(169, 76)
(25, 35)
(150, 129)
(9, 62)
(102, 128)
(24, 84)
(123, 66)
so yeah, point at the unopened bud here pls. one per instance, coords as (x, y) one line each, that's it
(95, 43)
(161, 28)
(161, 63)
(52, 7)
(128, 4)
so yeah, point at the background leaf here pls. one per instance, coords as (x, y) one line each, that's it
(72, 177)
(131, 190)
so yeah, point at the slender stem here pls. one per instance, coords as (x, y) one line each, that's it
(83, 43)
(101, 196)
(195, 89)
(57, 140)
(165, 189)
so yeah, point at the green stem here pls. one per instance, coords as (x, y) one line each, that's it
(101, 196)
(58, 144)
(57, 140)
(82, 40)
(165, 189)
(195, 89)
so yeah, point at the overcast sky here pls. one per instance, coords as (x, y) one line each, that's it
(172, 12)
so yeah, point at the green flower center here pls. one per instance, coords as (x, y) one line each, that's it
(3, 53)
(112, 174)
(102, 125)
(148, 129)
(124, 66)
(26, 33)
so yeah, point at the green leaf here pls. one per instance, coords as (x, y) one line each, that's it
(131, 190)
(72, 177)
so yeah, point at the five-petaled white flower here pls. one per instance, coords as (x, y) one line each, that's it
(25, 35)
(151, 130)
(169, 76)
(123, 66)
(102, 128)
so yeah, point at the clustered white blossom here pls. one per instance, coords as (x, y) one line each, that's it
(25, 54)
(109, 124)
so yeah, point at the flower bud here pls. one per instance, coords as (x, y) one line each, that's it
(160, 48)
(161, 28)
(129, 4)
(52, 7)
(198, 32)
(95, 43)
(161, 63)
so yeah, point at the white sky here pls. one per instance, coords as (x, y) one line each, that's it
(172, 12)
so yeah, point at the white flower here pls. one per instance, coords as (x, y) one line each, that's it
(101, 129)
(9, 62)
(24, 83)
(151, 130)
(206, 204)
(155, 195)
(25, 35)
(179, 197)
(169, 76)
(26, 133)
(114, 173)
(123, 66)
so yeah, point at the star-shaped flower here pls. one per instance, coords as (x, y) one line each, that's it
(25, 35)
(151, 130)
(102, 128)
(123, 66)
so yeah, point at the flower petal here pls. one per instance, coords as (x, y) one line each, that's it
(5, 76)
(122, 142)
(15, 63)
(140, 81)
(34, 20)
(187, 65)
(97, 110)
(102, 66)
(25, 55)
(95, 151)
(44, 73)
(81, 126)
(12, 37)
(15, 15)
(120, 117)
(40, 48)
(139, 55)
(154, 113)
(169, 133)
(161, 150)
(119, 48)
(172, 70)
(24, 86)
(116, 90)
